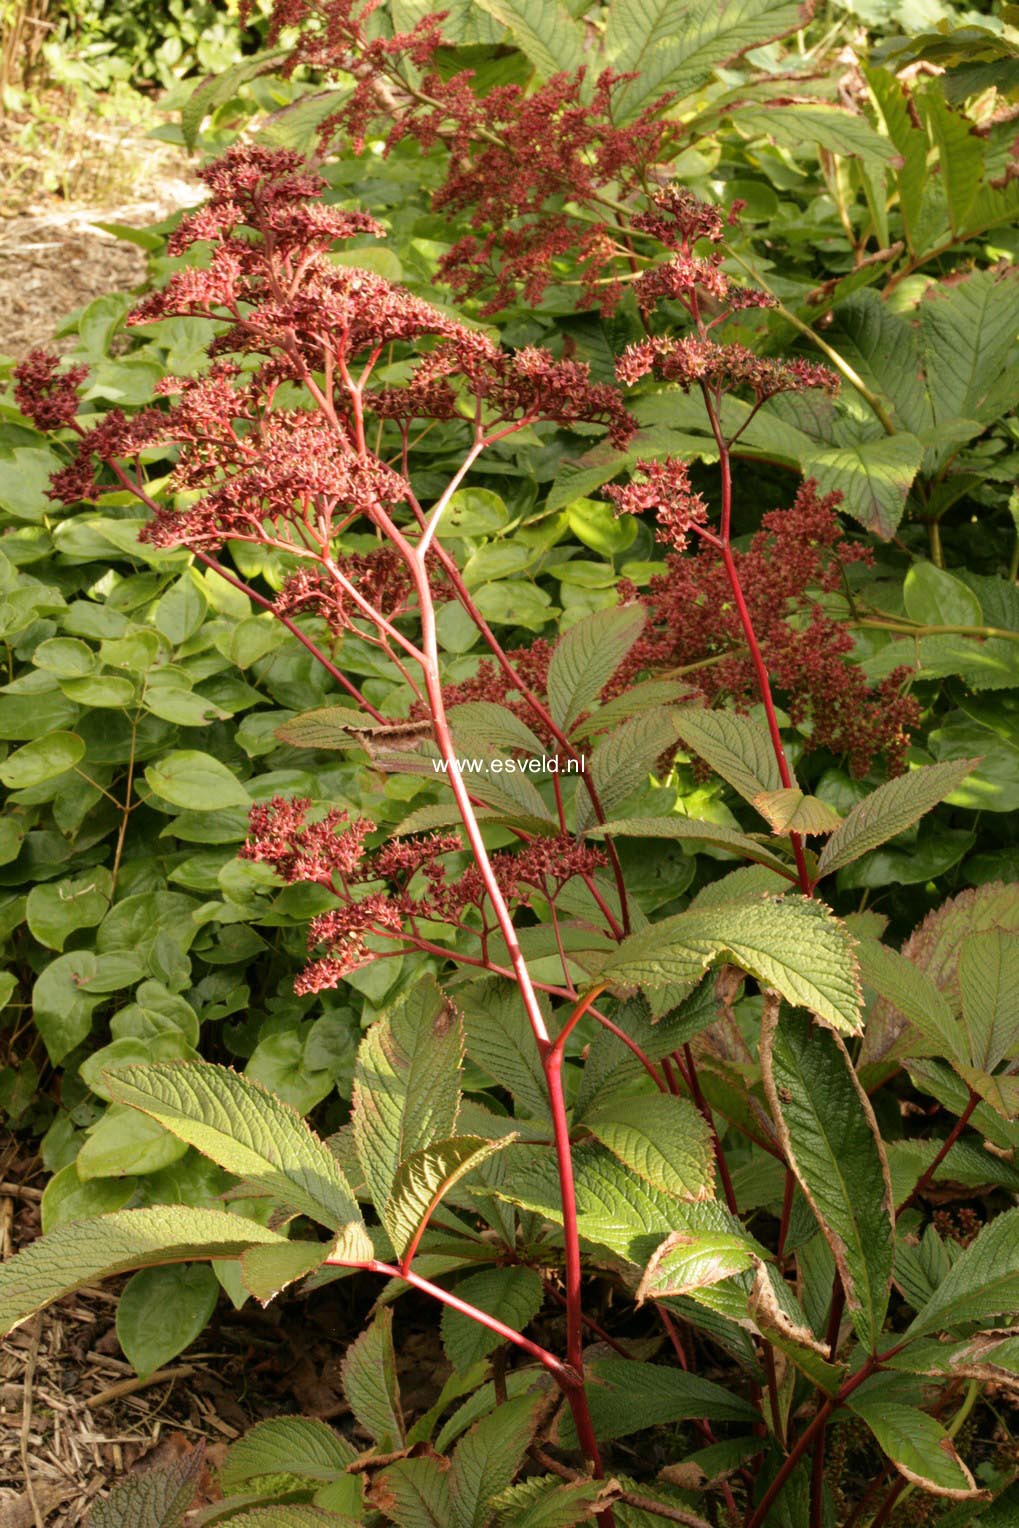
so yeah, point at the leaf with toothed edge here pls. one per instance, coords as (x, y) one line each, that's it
(423, 1178)
(891, 809)
(918, 1446)
(370, 1383)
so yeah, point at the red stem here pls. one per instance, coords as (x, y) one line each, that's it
(949, 1141)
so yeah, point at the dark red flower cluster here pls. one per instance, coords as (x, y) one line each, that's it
(693, 360)
(663, 487)
(43, 393)
(798, 554)
(280, 835)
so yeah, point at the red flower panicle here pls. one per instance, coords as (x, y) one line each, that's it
(44, 394)
(664, 487)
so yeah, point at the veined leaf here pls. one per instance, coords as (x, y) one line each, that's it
(542, 29)
(882, 348)
(889, 810)
(687, 1261)
(159, 1498)
(266, 1271)
(499, 1040)
(960, 155)
(664, 1140)
(735, 747)
(406, 1085)
(983, 1281)
(833, 1145)
(586, 657)
(545, 1501)
(695, 830)
(626, 1397)
(415, 1493)
(791, 943)
(911, 991)
(482, 724)
(614, 1209)
(286, 1446)
(85, 1251)
(487, 1458)
(790, 811)
(370, 1383)
(291, 1515)
(671, 45)
(245, 1129)
(622, 760)
(425, 1176)
(968, 336)
(873, 476)
(513, 1294)
(325, 727)
(989, 983)
(831, 127)
(917, 1444)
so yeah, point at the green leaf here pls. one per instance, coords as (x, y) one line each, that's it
(586, 657)
(671, 45)
(889, 810)
(483, 724)
(157, 1498)
(500, 1041)
(85, 1251)
(66, 1197)
(45, 758)
(935, 598)
(687, 1261)
(416, 1493)
(197, 781)
(912, 993)
(285, 1446)
(873, 476)
(424, 1177)
(790, 811)
(281, 1515)
(266, 1271)
(542, 29)
(791, 943)
(693, 830)
(830, 127)
(370, 1383)
(487, 1458)
(735, 747)
(960, 155)
(622, 761)
(883, 349)
(626, 1397)
(917, 1445)
(406, 1085)
(221, 87)
(126, 1142)
(162, 1311)
(832, 1143)
(545, 1501)
(24, 481)
(324, 727)
(61, 1006)
(513, 1294)
(246, 1130)
(968, 336)
(989, 983)
(58, 908)
(664, 1140)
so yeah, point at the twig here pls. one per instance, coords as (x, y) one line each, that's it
(26, 1420)
(139, 1382)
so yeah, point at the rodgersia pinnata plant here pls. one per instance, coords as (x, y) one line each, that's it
(677, 1117)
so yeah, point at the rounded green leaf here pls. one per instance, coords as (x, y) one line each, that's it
(197, 781)
(162, 1311)
(44, 759)
(67, 1197)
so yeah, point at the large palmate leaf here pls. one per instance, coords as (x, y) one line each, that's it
(664, 1140)
(245, 1129)
(889, 810)
(833, 1146)
(587, 656)
(791, 943)
(406, 1085)
(85, 1251)
(542, 29)
(370, 1383)
(736, 748)
(917, 1445)
(671, 45)
(983, 1282)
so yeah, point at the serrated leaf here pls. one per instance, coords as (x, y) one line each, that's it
(544, 30)
(245, 1129)
(622, 761)
(693, 830)
(915, 996)
(889, 810)
(586, 657)
(513, 1294)
(883, 349)
(790, 811)
(85, 1251)
(287, 1515)
(983, 1281)
(217, 89)
(159, 1498)
(482, 724)
(873, 476)
(960, 155)
(686, 1262)
(488, 1457)
(285, 1446)
(415, 1494)
(406, 1085)
(833, 1145)
(918, 1446)
(370, 1383)
(266, 1271)
(968, 336)
(671, 45)
(626, 1397)
(328, 727)
(791, 943)
(831, 127)
(545, 1501)
(423, 1179)
(989, 984)
(735, 747)
(664, 1140)
(500, 1041)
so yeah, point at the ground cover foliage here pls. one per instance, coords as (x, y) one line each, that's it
(685, 1086)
